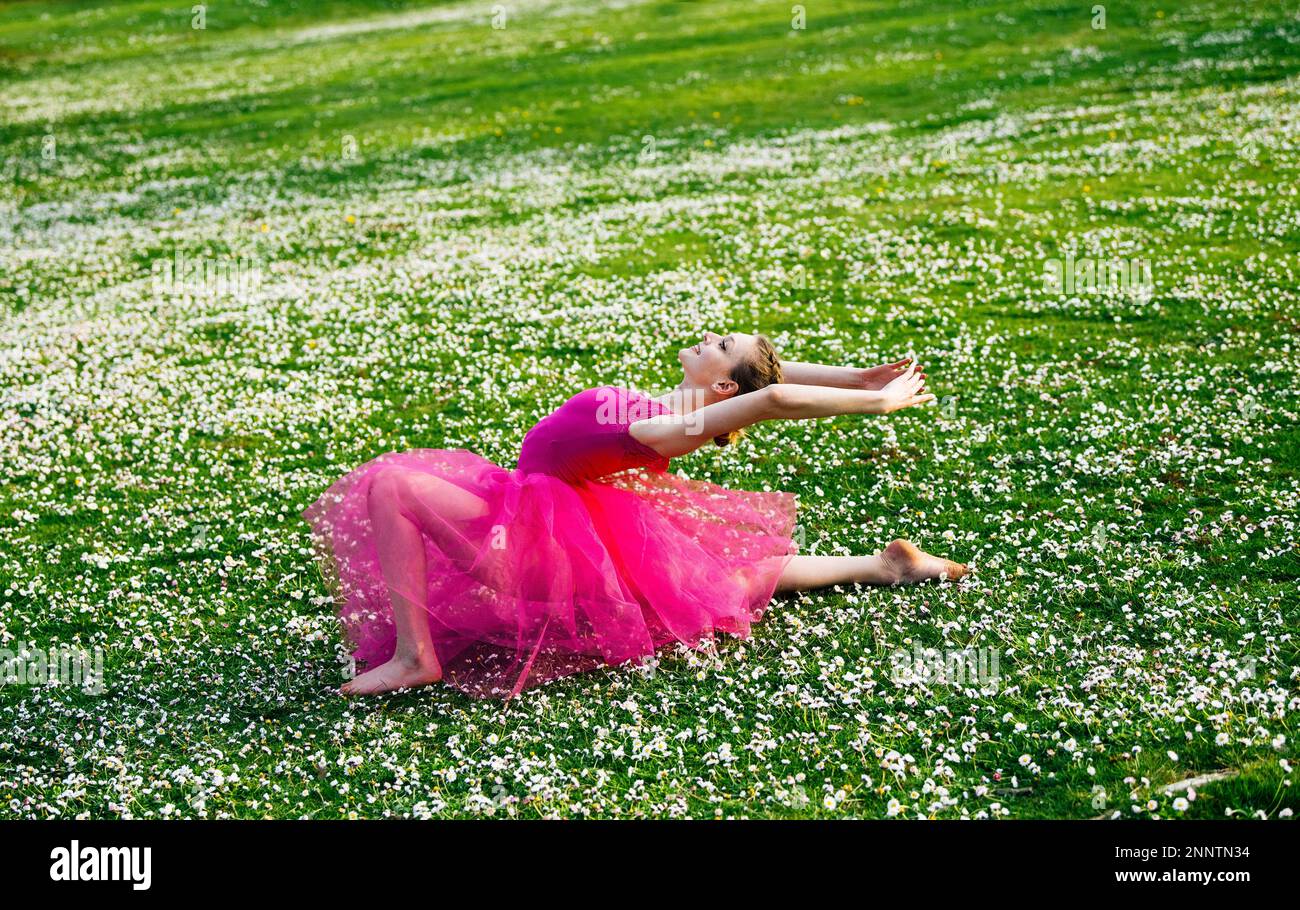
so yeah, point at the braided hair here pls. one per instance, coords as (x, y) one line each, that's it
(761, 369)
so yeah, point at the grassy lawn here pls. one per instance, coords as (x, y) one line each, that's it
(424, 230)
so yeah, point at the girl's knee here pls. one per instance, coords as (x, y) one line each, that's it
(385, 489)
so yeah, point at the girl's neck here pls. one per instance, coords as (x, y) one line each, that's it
(685, 398)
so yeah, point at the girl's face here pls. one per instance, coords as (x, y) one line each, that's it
(708, 363)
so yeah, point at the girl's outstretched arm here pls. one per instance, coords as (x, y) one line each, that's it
(672, 434)
(844, 377)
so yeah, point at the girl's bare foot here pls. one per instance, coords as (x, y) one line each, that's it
(402, 672)
(912, 564)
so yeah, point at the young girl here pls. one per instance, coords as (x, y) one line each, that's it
(589, 553)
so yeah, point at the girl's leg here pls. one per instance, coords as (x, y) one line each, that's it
(403, 506)
(899, 563)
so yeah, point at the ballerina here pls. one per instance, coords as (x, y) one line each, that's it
(449, 567)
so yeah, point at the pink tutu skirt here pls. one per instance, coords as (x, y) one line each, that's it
(545, 577)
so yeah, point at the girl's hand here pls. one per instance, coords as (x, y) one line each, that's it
(906, 390)
(881, 376)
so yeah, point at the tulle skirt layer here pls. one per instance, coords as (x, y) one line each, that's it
(528, 577)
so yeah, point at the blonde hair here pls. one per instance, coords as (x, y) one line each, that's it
(762, 369)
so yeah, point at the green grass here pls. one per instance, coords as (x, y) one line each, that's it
(456, 226)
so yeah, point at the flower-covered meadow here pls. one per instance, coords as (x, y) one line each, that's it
(250, 245)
